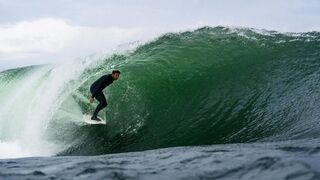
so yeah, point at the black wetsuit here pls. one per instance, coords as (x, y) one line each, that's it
(96, 91)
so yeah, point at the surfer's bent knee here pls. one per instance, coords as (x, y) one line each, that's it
(104, 104)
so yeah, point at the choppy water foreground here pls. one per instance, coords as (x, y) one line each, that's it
(279, 160)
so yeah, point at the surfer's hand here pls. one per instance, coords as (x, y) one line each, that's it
(91, 99)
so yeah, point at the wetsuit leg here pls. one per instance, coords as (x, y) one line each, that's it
(102, 103)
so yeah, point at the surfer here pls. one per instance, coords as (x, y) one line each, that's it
(96, 91)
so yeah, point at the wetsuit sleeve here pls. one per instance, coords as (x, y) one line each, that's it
(101, 84)
(97, 89)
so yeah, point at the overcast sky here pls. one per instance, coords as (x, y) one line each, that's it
(45, 31)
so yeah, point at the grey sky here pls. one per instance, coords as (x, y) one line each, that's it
(133, 20)
(290, 15)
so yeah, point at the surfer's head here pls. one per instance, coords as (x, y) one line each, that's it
(115, 74)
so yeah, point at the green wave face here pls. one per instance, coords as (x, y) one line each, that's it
(209, 86)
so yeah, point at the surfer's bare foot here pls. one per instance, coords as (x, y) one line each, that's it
(95, 119)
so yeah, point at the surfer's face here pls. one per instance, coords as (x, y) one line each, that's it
(115, 76)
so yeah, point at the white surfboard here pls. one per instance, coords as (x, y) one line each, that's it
(87, 119)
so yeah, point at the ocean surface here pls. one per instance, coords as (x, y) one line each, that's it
(213, 103)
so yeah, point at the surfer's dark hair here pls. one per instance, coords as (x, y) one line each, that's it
(115, 71)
